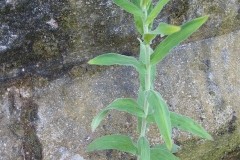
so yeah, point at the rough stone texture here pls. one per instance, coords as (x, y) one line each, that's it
(48, 39)
(50, 95)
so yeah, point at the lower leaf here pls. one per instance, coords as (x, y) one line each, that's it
(118, 142)
(121, 104)
(161, 154)
(175, 147)
(161, 116)
(187, 124)
(184, 123)
(143, 149)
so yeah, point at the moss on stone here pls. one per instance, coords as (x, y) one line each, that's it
(224, 145)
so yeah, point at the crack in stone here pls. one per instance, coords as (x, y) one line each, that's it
(22, 113)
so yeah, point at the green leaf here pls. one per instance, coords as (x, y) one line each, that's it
(143, 149)
(184, 123)
(145, 3)
(153, 75)
(150, 8)
(166, 29)
(142, 59)
(116, 59)
(129, 7)
(156, 10)
(138, 24)
(142, 55)
(161, 154)
(174, 39)
(122, 104)
(140, 101)
(150, 119)
(162, 116)
(136, 2)
(187, 124)
(139, 125)
(117, 142)
(141, 95)
(163, 29)
(149, 37)
(175, 148)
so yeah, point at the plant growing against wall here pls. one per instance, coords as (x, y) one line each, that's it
(149, 107)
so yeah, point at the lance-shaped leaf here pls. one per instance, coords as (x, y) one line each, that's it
(162, 116)
(175, 148)
(136, 2)
(166, 29)
(117, 142)
(153, 75)
(163, 29)
(122, 104)
(161, 154)
(140, 100)
(187, 124)
(142, 55)
(143, 149)
(150, 8)
(116, 59)
(142, 59)
(156, 10)
(174, 39)
(138, 24)
(145, 3)
(129, 7)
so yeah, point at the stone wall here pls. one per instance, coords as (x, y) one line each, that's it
(49, 94)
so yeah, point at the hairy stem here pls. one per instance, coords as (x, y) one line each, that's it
(147, 78)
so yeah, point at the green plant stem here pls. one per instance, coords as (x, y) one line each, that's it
(147, 78)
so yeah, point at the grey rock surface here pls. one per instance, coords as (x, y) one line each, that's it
(49, 94)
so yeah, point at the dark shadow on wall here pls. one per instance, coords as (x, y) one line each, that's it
(34, 37)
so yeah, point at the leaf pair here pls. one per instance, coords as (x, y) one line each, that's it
(165, 120)
(125, 144)
(174, 39)
(134, 8)
(185, 123)
(159, 53)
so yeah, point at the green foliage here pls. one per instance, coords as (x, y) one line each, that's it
(155, 11)
(184, 123)
(174, 39)
(162, 154)
(187, 124)
(124, 104)
(161, 116)
(174, 149)
(162, 30)
(116, 59)
(118, 142)
(143, 149)
(149, 107)
(129, 7)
